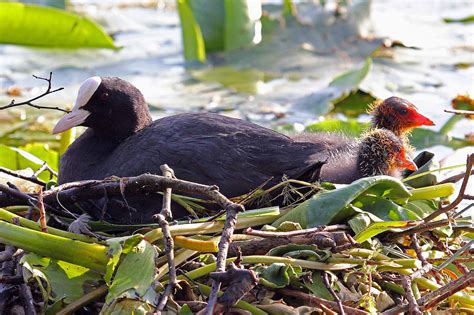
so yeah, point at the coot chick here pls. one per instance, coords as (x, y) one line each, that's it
(394, 113)
(379, 152)
(122, 140)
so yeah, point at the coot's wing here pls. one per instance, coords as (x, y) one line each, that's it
(236, 155)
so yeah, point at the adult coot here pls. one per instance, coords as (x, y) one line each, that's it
(122, 140)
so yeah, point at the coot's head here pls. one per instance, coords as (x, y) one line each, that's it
(112, 107)
(383, 153)
(397, 115)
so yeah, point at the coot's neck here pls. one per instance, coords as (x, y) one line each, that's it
(379, 121)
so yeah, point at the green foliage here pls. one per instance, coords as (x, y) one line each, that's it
(215, 25)
(66, 281)
(332, 206)
(32, 25)
(193, 41)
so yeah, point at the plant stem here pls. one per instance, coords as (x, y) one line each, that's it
(91, 256)
(8, 216)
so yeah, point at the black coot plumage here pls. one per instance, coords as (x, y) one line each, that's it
(122, 140)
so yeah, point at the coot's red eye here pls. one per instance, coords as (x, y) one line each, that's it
(104, 96)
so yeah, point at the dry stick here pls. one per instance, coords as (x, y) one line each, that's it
(334, 295)
(455, 178)
(314, 300)
(32, 179)
(167, 239)
(412, 305)
(435, 297)
(229, 226)
(460, 197)
(42, 218)
(46, 167)
(459, 111)
(321, 228)
(30, 101)
(419, 253)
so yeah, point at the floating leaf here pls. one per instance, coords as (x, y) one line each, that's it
(339, 88)
(355, 104)
(32, 25)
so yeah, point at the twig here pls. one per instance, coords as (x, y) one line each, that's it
(460, 197)
(455, 178)
(46, 167)
(334, 295)
(167, 239)
(419, 253)
(412, 305)
(29, 102)
(314, 300)
(229, 226)
(32, 179)
(42, 218)
(429, 300)
(84, 300)
(321, 228)
(459, 111)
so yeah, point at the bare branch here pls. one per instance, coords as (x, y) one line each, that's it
(30, 103)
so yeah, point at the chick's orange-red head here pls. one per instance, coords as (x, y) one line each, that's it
(397, 115)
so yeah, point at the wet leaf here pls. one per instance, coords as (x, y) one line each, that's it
(425, 163)
(32, 25)
(277, 275)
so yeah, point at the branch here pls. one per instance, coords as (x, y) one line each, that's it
(167, 239)
(29, 102)
(460, 112)
(461, 195)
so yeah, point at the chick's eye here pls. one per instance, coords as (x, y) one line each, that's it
(402, 111)
(104, 96)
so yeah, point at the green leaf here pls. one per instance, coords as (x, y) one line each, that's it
(355, 104)
(67, 281)
(210, 16)
(467, 19)
(242, 23)
(349, 80)
(331, 206)
(317, 287)
(422, 138)
(277, 275)
(134, 274)
(193, 41)
(300, 251)
(32, 25)
(32, 156)
(385, 209)
(376, 228)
